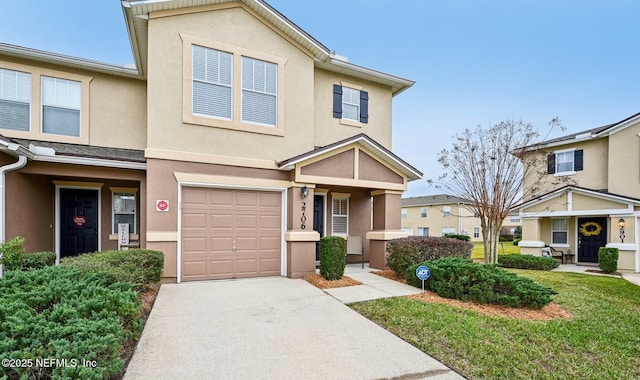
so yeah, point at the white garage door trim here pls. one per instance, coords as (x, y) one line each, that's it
(283, 245)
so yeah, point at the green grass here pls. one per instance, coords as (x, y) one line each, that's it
(601, 341)
(504, 248)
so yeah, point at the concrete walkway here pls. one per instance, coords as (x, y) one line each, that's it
(633, 278)
(274, 328)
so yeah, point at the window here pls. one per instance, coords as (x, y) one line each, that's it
(403, 213)
(515, 219)
(124, 210)
(61, 100)
(423, 212)
(446, 212)
(350, 104)
(476, 232)
(448, 230)
(560, 231)
(565, 162)
(212, 78)
(259, 91)
(340, 213)
(408, 231)
(15, 100)
(423, 231)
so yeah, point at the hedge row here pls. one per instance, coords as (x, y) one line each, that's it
(414, 249)
(467, 281)
(62, 313)
(518, 261)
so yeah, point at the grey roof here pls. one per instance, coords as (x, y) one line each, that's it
(439, 199)
(87, 151)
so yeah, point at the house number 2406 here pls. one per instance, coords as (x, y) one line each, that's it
(303, 218)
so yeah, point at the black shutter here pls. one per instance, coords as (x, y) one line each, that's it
(337, 101)
(364, 107)
(577, 160)
(551, 163)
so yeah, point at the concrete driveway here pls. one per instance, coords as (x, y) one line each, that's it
(269, 328)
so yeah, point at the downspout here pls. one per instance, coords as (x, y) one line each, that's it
(22, 161)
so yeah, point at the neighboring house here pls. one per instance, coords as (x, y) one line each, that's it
(437, 215)
(233, 146)
(600, 205)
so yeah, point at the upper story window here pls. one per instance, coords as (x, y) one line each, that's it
(212, 82)
(350, 104)
(231, 87)
(61, 103)
(446, 212)
(15, 100)
(259, 91)
(403, 213)
(423, 212)
(565, 162)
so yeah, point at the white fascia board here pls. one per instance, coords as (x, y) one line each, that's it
(92, 162)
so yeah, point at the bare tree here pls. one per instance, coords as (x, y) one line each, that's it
(489, 167)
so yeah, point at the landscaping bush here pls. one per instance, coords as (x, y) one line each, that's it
(608, 259)
(64, 314)
(467, 281)
(137, 266)
(414, 249)
(515, 242)
(458, 236)
(333, 257)
(12, 253)
(526, 262)
(38, 260)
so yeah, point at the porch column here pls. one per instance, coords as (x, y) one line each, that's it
(300, 237)
(386, 225)
(531, 243)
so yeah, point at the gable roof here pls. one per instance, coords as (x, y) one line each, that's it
(579, 189)
(136, 13)
(438, 199)
(373, 146)
(589, 134)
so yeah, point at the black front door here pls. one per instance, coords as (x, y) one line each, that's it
(318, 219)
(592, 234)
(78, 221)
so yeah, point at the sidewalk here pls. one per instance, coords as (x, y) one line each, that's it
(373, 286)
(633, 278)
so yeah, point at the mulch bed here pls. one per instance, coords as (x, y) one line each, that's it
(319, 282)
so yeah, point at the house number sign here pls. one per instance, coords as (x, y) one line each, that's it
(303, 218)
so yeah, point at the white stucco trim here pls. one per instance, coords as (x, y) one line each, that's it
(623, 246)
(531, 244)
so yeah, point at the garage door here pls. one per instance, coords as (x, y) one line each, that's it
(229, 233)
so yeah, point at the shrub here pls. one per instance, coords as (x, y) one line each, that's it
(414, 249)
(608, 259)
(12, 253)
(458, 236)
(137, 266)
(517, 233)
(38, 260)
(516, 241)
(59, 312)
(333, 257)
(526, 262)
(467, 281)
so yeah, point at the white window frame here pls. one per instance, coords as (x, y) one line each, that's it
(565, 153)
(446, 211)
(15, 91)
(422, 230)
(63, 89)
(423, 212)
(476, 232)
(128, 192)
(448, 230)
(217, 81)
(348, 101)
(263, 91)
(404, 213)
(554, 230)
(345, 198)
(515, 219)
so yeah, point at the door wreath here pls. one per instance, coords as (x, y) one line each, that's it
(590, 229)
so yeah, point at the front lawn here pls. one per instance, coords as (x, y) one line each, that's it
(601, 340)
(504, 248)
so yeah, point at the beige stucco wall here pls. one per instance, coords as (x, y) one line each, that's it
(329, 129)
(237, 28)
(113, 109)
(594, 176)
(624, 163)
(585, 202)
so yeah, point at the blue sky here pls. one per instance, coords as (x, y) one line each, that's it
(475, 62)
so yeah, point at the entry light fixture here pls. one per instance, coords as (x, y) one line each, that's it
(304, 191)
(621, 224)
